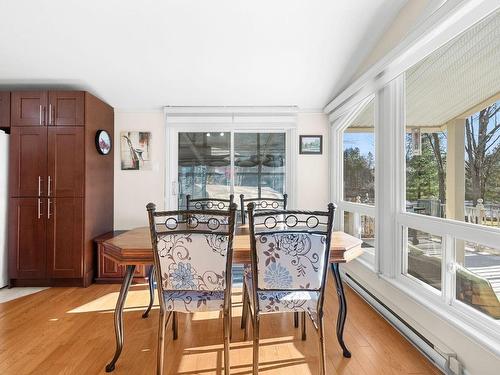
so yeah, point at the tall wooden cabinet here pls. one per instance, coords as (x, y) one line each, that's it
(61, 188)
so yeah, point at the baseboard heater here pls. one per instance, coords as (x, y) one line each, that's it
(447, 362)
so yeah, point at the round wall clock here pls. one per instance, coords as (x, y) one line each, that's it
(103, 142)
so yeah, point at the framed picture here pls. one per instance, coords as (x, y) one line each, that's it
(135, 150)
(103, 142)
(311, 144)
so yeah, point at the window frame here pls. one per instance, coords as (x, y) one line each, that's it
(231, 120)
(386, 82)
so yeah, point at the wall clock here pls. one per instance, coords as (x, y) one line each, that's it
(103, 142)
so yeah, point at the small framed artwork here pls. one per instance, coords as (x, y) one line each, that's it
(135, 150)
(102, 142)
(311, 144)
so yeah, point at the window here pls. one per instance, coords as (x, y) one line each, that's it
(259, 164)
(204, 165)
(205, 160)
(358, 166)
(359, 158)
(452, 157)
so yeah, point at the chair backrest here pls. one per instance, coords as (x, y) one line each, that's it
(208, 203)
(190, 253)
(262, 204)
(290, 249)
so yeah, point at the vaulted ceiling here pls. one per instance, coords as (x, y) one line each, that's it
(150, 53)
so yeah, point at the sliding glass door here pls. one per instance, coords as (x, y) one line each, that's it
(216, 164)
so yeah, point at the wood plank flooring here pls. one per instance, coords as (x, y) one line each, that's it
(70, 331)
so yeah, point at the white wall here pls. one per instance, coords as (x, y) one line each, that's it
(4, 138)
(134, 189)
(313, 178)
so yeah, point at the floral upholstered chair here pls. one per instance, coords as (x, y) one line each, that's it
(289, 261)
(192, 262)
(261, 204)
(208, 204)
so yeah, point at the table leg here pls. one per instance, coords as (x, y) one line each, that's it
(342, 310)
(127, 280)
(151, 282)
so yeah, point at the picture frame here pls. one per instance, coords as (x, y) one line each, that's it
(103, 142)
(311, 144)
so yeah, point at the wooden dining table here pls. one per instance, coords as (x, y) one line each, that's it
(133, 248)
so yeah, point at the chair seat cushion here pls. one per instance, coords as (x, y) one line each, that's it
(193, 301)
(275, 301)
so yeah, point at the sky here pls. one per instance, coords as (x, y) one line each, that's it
(364, 141)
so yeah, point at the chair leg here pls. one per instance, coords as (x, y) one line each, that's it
(296, 319)
(151, 283)
(227, 340)
(160, 353)
(303, 325)
(175, 325)
(321, 335)
(256, 323)
(230, 318)
(244, 311)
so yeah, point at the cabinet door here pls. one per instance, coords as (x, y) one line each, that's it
(65, 162)
(64, 237)
(66, 108)
(108, 268)
(27, 228)
(28, 161)
(4, 110)
(28, 108)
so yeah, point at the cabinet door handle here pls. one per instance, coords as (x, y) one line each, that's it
(44, 115)
(48, 209)
(39, 185)
(50, 114)
(48, 186)
(39, 208)
(40, 114)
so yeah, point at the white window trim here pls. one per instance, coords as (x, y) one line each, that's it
(386, 79)
(229, 119)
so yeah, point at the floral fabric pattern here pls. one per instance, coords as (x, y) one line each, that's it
(282, 300)
(193, 301)
(290, 260)
(193, 261)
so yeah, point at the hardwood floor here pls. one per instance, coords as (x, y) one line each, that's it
(70, 331)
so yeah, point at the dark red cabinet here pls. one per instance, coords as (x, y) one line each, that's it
(66, 108)
(65, 161)
(28, 108)
(27, 233)
(60, 187)
(5, 111)
(64, 237)
(28, 161)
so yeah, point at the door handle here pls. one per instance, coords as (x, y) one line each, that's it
(44, 114)
(48, 209)
(40, 114)
(39, 185)
(39, 208)
(48, 186)
(50, 114)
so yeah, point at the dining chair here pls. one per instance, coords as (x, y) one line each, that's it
(192, 262)
(191, 204)
(290, 252)
(262, 204)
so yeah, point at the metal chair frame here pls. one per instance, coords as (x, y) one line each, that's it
(253, 308)
(188, 226)
(262, 204)
(208, 203)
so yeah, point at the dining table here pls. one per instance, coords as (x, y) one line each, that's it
(133, 248)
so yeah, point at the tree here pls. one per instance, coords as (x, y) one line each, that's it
(483, 153)
(434, 140)
(359, 174)
(421, 172)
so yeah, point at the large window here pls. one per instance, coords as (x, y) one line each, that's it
(359, 158)
(452, 154)
(357, 205)
(208, 168)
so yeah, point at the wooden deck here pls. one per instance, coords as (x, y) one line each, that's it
(70, 331)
